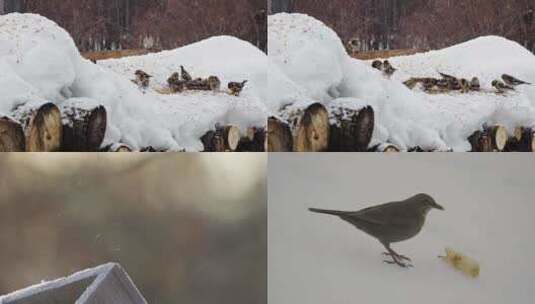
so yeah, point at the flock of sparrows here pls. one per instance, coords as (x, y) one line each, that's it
(179, 82)
(450, 83)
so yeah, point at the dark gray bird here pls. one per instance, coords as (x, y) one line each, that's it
(185, 75)
(391, 222)
(512, 81)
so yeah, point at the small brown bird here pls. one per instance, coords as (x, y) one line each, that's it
(474, 84)
(465, 85)
(391, 222)
(214, 83)
(377, 64)
(236, 87)
(175, 84)
(512, 81)
(185, 75)
(142, 79)
(429, 83)
(501, 87)
(443, 84)
(454, 84)
(388, 69)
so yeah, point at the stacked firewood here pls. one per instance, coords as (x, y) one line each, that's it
(315, 128)
(230, 139)
(44, 127)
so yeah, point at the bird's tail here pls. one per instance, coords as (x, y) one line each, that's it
(324, 211)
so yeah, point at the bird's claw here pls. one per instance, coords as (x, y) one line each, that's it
(398, 256)
(399, 264)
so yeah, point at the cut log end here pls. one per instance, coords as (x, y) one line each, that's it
(279, 137)
(11, 135)
(385, 148)
(312, 130)
(498, 135)
(231, 135)
(43, 128)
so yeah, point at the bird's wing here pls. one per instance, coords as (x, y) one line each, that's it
(385, 214)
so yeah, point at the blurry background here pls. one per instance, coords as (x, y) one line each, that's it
(419, 24)
(97, 25)
(188, 228)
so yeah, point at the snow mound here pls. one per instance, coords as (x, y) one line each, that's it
(308, 52)
(39, 61)
(312, 57)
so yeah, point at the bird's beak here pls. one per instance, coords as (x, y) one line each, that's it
(439, 207)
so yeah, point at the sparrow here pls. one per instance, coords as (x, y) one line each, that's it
(512, 81)
(500, 86)
(236, 87)
(185, 75)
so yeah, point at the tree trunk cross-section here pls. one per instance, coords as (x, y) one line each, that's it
(310, 128)
(11, 135)
(279, 136)
(42, 126)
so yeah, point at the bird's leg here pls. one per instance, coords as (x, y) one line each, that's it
(396, 258)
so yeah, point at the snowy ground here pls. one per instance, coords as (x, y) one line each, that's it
(314, 258)
(39, 61)
(308, 62)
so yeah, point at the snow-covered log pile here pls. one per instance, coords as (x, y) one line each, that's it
(308, 64)
(335, 127)
(63, 102)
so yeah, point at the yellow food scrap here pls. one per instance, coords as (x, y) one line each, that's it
(461, 262)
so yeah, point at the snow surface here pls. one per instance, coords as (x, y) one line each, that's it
(311, 64)
(318, 259)
(40, 62)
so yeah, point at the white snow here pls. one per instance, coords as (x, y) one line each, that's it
(39, 62)
(314, 62)
(317, 259)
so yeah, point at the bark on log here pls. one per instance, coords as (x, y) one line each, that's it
(222, 139)
(11, 135)
(254, 141)
(42, 126)
(83, 129)
(525, 139)
(279, 137)
(352, 129)
(310, 128)
(481, 141)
